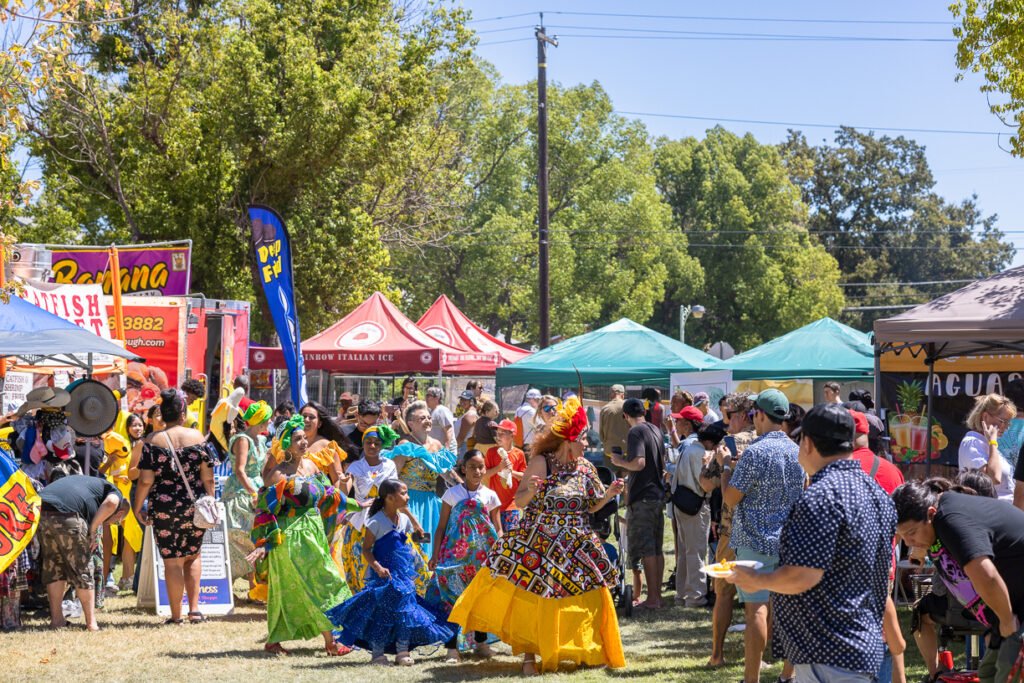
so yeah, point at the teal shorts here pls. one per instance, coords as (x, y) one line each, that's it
(770, 562)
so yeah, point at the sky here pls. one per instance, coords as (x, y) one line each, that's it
(907, 81)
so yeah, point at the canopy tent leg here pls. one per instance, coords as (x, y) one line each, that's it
(930, 362)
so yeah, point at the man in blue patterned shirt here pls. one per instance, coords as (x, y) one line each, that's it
(764, 486)
(829, 592)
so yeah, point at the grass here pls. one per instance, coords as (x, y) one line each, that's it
(133, 645)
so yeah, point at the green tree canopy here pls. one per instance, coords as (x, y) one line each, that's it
(612, 247)
(874, 208)
(329, 112)
(991, 35)
(732, 199)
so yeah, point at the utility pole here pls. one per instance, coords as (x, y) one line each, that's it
(542, 180)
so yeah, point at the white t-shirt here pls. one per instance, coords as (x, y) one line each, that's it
(486, 496)
(527, 414)
(439, 420)
(973, 455)
(366, 479)
(379, 524)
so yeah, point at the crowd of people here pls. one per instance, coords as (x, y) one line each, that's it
(403, 524)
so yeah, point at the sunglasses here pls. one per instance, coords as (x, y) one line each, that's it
(550, 409)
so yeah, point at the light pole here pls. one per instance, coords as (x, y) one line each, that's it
(697, 311)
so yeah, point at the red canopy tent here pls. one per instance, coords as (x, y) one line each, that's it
(446, 323)
(377, 339)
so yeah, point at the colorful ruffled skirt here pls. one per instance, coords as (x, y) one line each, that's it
(303, 581)
(581, 628)
(389, 611)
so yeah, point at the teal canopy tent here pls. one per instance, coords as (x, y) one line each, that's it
(623, 352)
(825, 349)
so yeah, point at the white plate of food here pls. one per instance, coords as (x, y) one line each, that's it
(721, 570)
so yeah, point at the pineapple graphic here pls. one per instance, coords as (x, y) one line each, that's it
(910, 397)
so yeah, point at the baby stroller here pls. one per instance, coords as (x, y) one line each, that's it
(605, 523)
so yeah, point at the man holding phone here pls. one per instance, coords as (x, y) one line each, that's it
(738, 412)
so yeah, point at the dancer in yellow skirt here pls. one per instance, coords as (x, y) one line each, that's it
(544, 587)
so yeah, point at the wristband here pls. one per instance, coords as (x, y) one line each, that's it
(726, 468)
(993, 443)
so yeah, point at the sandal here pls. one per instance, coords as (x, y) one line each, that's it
(404, 660)
(336, 649)
(275, 649)
(380, 661)
(196, 618)
(530, 669)
(173, 622)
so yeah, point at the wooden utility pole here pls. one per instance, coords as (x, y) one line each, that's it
(542, 181)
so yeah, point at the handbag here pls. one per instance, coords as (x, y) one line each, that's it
(207, 513)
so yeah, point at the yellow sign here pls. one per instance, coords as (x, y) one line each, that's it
(19, 513)
(905, 362)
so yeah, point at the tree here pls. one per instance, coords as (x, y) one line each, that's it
(612, 248)
(992, 44)
(874, 208)
(330, 112)
(731, 197)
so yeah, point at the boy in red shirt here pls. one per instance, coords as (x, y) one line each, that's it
(504, 474)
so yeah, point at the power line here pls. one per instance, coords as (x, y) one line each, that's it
(904, 284)
(674, 33)
(769, 37)
(775, 20)
(503, 42)
(721, 119)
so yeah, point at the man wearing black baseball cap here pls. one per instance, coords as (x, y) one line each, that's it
(829, 592)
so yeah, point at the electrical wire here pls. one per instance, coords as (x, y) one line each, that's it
(671, 34)
(776, 20)
(762, 122)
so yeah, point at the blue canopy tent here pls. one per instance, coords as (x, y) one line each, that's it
(35, 337)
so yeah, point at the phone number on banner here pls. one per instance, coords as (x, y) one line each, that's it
(141, 322)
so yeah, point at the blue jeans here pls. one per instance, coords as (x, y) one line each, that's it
(885, 672)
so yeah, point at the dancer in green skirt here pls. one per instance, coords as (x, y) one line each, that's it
(297, 511)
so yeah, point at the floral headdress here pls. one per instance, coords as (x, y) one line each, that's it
(570, 420)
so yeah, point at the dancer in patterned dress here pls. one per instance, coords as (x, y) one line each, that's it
(367, 475)
(544, 587)
(296, 511)
(470, 524)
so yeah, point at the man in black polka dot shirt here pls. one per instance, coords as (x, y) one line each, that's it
(835, 552)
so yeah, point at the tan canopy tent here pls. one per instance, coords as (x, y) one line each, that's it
(985, 318)
(982, 319)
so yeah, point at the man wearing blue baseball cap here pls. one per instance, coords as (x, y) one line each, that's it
(765, 484)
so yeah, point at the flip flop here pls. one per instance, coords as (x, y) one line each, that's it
(196, 618)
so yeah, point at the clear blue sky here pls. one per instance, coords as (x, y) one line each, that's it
(895, 83)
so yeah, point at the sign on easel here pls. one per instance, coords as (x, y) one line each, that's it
(215, 595)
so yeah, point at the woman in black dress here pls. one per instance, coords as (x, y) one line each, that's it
(170, 506)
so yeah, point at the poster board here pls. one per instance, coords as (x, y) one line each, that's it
(716, 383)
(215, 594)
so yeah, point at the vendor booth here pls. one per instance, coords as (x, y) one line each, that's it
(446, 323)
(820, 351)
(623, 352)
(936, 358)
(375, 339)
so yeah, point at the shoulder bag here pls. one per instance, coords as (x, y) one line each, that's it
(206, 514)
